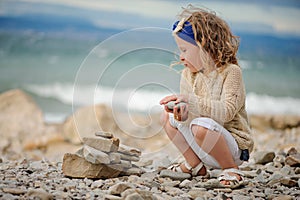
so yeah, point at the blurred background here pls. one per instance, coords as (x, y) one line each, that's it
(73, 53)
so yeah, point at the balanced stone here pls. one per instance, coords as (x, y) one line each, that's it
(104, 134)
(126, 163)
(129, 157)
(79, 152)
(77, 167)
(132, 171)
(129, 150)
(95, 156)
(102, 144)
(114, 157)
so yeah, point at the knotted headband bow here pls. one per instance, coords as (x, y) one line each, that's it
(184, 30)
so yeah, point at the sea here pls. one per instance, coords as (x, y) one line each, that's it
(131, 70)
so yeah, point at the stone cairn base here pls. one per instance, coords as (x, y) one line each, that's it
(102, 156)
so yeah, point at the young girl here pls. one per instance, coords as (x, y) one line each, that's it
(211, 128)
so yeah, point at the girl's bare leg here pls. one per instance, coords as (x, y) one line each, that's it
(215, 145)
(179, 141)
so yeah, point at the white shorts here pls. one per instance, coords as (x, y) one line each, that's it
(212, 125)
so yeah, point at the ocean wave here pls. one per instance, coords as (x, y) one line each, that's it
(148, 100)
(266, 104)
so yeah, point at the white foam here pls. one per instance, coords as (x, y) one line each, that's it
(265, 104)
(146, 100)
(136, 100)
(59, 91)
(54, 117)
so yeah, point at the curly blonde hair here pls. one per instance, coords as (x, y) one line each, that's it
(212, 34)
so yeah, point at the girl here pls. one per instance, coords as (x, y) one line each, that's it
(211, 127)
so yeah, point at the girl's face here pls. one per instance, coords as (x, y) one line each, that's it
(190, 55)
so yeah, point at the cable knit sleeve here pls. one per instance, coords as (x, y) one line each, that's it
(232, 97)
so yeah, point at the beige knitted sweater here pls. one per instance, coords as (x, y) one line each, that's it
(219, 95)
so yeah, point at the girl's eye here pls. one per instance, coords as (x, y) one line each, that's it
(183, 50)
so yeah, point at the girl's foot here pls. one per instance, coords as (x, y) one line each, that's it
(199, 170)
(231, 178)
(227, 182)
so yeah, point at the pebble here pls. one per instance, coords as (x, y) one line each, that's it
(185, 184)
(174, 175)
(28, 179)
(263, 157)
(283, 197)
(134, 196)
(14, 191)
(119, 188)
(97, 184)
(241, 197)
(40, 194)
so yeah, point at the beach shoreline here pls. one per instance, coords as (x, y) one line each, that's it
(27, 139)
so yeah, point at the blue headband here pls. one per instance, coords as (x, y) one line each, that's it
(184, 30)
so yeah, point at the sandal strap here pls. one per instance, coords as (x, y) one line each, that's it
(175, 168)
(196, 169)
(226, 176)
(188, 166)
(233, 170)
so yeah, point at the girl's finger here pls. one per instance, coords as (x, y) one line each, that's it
(167, 99)
(177, 113)
(167, 109)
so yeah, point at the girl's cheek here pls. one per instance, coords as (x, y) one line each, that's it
(192, 60)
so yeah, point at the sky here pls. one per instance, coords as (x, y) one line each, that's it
(277, 17)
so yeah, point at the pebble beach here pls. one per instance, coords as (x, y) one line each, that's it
(32, 157)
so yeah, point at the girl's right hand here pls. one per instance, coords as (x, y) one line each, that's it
(166, 100)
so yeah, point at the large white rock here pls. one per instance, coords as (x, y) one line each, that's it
(19, 115)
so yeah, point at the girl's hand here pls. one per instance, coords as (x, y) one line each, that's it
(166, 100)
(181, 98)
(177, 98)
(181, 111)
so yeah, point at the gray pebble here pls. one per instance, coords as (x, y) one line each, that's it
(241, 197)
(45, 180)
(174, 175)
(134, 196)
(185, 184)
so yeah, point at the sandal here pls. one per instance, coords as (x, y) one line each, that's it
(193, 171)
(233, 180)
